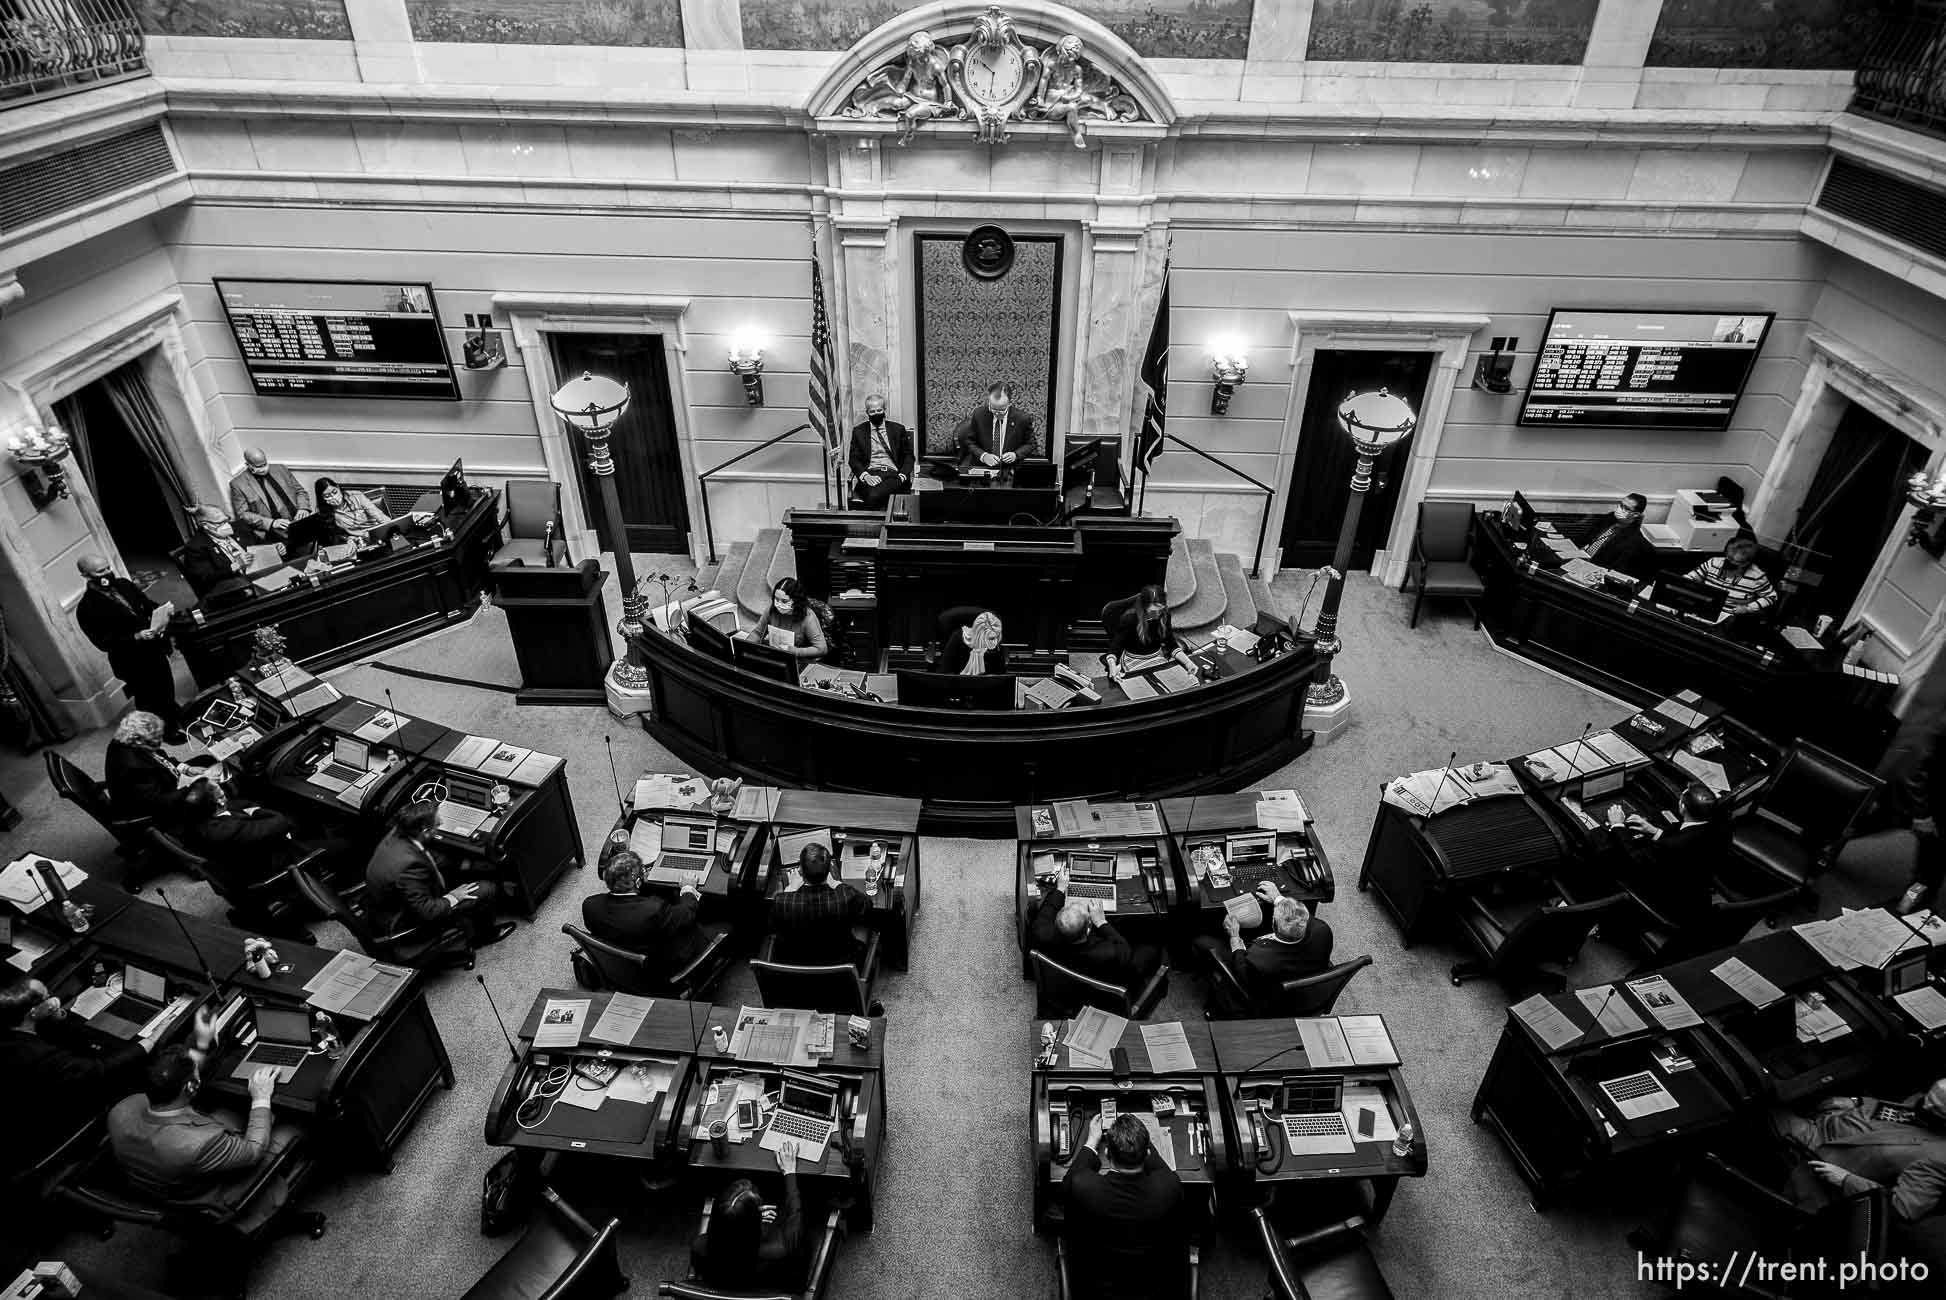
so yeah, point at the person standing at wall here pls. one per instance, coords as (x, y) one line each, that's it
(120, 619)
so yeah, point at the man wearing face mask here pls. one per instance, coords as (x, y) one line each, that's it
(266, 498)
(214, 562)
(996, 435)
(118, 617)
(881, 456)
(1617, 542)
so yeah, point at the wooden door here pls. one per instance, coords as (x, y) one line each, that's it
(1320, 483)
(648, 467)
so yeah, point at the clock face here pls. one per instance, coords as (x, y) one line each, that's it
(994, 73)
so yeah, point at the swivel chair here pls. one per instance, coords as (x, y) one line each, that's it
(270, 903)
(1188, 1272)
(1523, 937)
(817, 1275)
(1061, 992)
(91, 797)
(561, 1256)
(1804, 815)
(839, 987)
(532, 504)
(1308, 995)
(1440, 547)
(601, 965)
(426, 947)
(1329, 1262)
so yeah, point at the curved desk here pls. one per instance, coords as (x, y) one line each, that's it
(971, 768)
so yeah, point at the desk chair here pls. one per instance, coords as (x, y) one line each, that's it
(1191, 1277)
(532, 504)
(561, 1256)
(816, 1279)
(1723, 924)
(1308, 995)
(1061, 992)
(1526, 936)
(270, 903)
(211, 1233)
(422, 946)
(91, 797)
(1439, 565)
(1331, 1263)
(26, 1196)
(1804, 815)
(600, 965)
(1721, 1215)
(841, 987)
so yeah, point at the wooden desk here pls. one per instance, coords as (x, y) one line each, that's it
(1144, 899)
(731, 884)
(857, 819)
(357, 610)
(1212, 816)
(1416, 864)
(1256, 1056)
(1063, 1096)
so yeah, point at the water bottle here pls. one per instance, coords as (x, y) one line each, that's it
(874, 869)
(1402, 1144)
(328, 1037)
(75, 915)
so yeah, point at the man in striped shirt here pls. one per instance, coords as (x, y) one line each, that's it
(1735, 572)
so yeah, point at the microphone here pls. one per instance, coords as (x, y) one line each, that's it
(621, 805)
(1612, 990)
(1444, 776)
(398, 721)
(547, 543)
(200, 962)
(1581, 740)
(512, 1051)
(57, 889)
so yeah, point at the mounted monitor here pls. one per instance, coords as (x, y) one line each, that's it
(765, 661)
(315, 338)
(1643, 369)
(956, 690)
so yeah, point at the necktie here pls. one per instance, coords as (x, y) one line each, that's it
(281, 506)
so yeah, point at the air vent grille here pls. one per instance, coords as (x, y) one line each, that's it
(59, 182)
(1897, 208)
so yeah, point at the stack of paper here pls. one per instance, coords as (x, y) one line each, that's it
(21, 883)
(1710, 774)
(1281, 810)
(471, 752)
(1168, 1047)
(1611, 1010)
(1924, 1005)
(1670, 1009)
(622, 1017)
(1868, 937)
(29, 948)
(1548, 1021)
(1817, 1022)
(1425, 793)
(1746, 982)
(1092, 1037)
(756, 803)
(1616, 750)
(355, 985)
(1049, 694)
(664, 790)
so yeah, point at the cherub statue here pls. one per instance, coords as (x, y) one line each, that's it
(914, 91)
(1070, 90)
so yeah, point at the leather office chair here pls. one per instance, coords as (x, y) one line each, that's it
(1804, 815)
(1439, 565)
(1192, 1277)
(561, 1256)
(1062, 992)
(532, 504)
(601, 965)
(91, 797)
(1524, 936)
(817, 1277)
(25, 1196)
(1329, 1263)
(1725, 923)
(1721, 1215)
(840, 987)
(1308, 995)
(270, 903)
(423, 946)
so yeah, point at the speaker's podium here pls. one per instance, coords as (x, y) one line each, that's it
(559, 626)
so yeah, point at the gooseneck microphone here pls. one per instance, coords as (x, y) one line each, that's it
(200, 962)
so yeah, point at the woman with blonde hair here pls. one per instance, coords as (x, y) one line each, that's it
(970, 642)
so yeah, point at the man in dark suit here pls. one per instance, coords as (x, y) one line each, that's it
(114, 614)
(52, 1079)
(1297, 944)
(1857, 1144)
(1616, 541)
(813, 922)
(214, 563)
(664, 932)
(881, 456)
(1124, 1224)
(246, 845)
(996, 434)
(404, 887)
(1078, 936)
(141, 779)
(1668, 872)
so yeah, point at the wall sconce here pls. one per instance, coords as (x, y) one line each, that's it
(1928, 530)
(747, 363)
(1494, 373)
(1227, 365)
(39, 453)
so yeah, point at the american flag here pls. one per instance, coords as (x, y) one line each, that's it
(821, 420)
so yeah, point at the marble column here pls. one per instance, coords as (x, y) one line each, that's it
(1111, 349)
(868, 328)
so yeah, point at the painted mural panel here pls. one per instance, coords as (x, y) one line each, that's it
(288, 20)
(548, 22)
(1762, 33)
(1157, 29)
(1452, 31)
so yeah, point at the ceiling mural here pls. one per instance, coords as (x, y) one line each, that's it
(288, 20)
(1451, 31)
(548, 22)
(1156, 29)
(1763, 33)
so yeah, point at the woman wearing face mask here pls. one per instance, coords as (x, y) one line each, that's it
(881, 456)
(214, 562)
(791, 617)
(352, 514)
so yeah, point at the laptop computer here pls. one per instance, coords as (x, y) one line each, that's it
(283, 1041)
(1638, 1095)
(1256, 846)
(1091, 876)
(1312, 1118)
(144, 996)
(350, 759)
(807, 1114)
(688, 848)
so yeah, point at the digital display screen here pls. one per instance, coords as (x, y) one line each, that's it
(302, 338)
(1643, 370)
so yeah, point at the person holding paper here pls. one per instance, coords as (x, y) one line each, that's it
(1139, 625)
(791, 624)
(133, 631)
(1669, 872)
(751, 1246)
(1856, 1145)
(969, 642)
(813, 923)
(665, 932)
(1078, 936)
(404, 886)
(142, 780)
(53, 1069)
(995, 435)
(1297, 945)
(1125, 1232)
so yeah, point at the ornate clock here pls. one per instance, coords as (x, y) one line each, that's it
(994, 74)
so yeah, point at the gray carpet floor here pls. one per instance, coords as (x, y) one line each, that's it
(954, 1192)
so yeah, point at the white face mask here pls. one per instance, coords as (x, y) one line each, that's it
(781, 603)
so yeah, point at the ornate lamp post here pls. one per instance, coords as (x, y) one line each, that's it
(592, 405)
(1373, 422)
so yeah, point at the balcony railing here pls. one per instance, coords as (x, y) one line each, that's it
(54, 47)
(1902, 76)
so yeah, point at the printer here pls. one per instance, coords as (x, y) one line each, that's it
(1700, 521)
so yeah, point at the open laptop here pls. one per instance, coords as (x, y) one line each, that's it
(1638, 1095)
(283, 1041)
(467, 805)
(688, 848)
(144, 996)
(1311, 1114)
(1091, 876)
(350, 759)
(807, 1114)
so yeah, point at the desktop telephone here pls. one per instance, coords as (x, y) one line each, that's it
(1270, 647)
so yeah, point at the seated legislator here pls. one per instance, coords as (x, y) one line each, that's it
(1615, 540)
(813, 922)
(1078, 936)
(969, 642)
(243, 843)
(404, 886)
(1139, 625)
(214, 562)
(170, 1150)
(664, 932)
(1857, 1144)
(1297, 944)
(881, 456)
(996, 434)
(1736, 572)
(265, 498)
(1124, 1219)
(352, 514)
(751, 1246)
(53, 1081)
(790, 624)
(1669, 871)
(142, 780)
